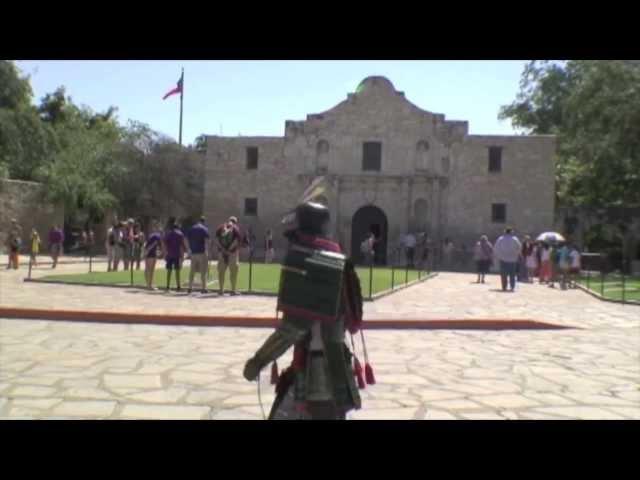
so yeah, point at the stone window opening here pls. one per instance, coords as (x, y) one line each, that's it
(371, 156)
(499, 212)
(495, 159)
(252, 158)
(251, 207)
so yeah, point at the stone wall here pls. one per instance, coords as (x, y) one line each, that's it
(25, 202)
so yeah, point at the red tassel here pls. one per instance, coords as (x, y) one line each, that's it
(274, 373)
(368, 374)
(357, 370)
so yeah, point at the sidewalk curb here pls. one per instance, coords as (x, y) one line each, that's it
(265, 322)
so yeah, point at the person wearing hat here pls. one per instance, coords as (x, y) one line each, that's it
(320, 383)
(228, 243)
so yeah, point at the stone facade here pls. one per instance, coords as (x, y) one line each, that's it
(433, 175)
(25, 202)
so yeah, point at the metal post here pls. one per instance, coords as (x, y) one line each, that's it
(370, 279)
(588, 279)
(131, 263)
(250, 269)
(30, 259)
(623, 284)
(602, 283)
(393, 274)
(90, 258)
(406, 273)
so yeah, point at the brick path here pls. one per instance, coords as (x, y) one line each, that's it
(81, 370)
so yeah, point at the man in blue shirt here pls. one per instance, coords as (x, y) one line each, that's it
(198, 237)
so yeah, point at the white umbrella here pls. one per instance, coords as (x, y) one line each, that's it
(550, 237)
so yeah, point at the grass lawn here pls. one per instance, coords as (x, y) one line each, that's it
(611, 286)
(264, 278)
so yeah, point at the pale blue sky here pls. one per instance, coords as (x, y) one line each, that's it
(256, 97)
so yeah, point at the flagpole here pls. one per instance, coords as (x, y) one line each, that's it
(181, 96)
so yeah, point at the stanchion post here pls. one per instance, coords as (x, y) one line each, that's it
(393, 275)
(250, 269)
(602, 283)
(623, 285)
(30, 260)
(370, 279)
(406, 273)
(90, 259)
(131, 264)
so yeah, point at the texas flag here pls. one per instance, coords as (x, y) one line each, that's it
(178, 88)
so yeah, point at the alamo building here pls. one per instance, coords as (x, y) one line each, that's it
(392, 168)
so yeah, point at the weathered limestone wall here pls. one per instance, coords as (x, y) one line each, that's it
(25, 202)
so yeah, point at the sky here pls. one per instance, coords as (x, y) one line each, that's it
(256, 97)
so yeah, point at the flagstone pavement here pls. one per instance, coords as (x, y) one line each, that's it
(54, 370)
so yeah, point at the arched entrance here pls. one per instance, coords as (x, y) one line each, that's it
(369, 219)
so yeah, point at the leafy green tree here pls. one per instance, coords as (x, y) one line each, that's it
(594, 109)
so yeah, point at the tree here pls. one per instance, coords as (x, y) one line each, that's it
(15, 90)
(25, 142)
(594, 108)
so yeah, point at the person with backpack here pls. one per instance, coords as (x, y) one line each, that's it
(229, 242)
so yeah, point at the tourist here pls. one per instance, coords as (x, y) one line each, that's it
(574, 271)
(119, 245)
(228, 243)
(531, 256)
(198, 238)
(91, 241)
(546, 269)
(13, 244)
(410, 245)
(524, 274)
(56, 239)
(367, 248)
(269, 251)
(483, 255)
(174, 247)
(127, 243)
(138, 244)
(151, 253)
(564, 265)
(109, 244)
(508, 250)
(35, 246)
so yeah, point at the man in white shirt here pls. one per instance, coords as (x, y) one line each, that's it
(507, 250)
(410, 245)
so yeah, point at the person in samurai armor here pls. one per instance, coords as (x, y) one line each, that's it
(319, 384)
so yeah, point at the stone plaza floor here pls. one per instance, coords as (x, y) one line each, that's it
(54, 369)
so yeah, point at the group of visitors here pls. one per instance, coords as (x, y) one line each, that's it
(549, 262)
(174, 245)
(14, 242)
(124, 243)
